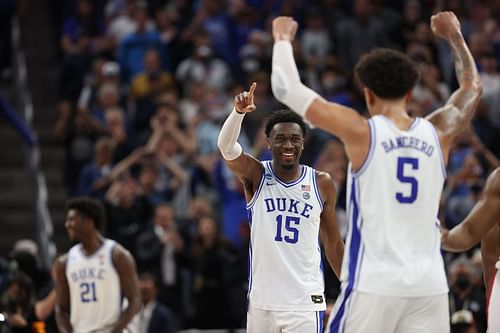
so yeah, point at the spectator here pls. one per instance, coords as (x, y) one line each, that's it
(202, 66)
(134, 46)
(154, 316)
(90, 179)
(160, 249)
(152, 80)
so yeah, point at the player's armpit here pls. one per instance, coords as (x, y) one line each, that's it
(249, 171)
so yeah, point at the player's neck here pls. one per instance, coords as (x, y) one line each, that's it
(92, 244)
(288, 175)
(395, 111)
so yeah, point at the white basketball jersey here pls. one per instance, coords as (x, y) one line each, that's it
(393, 243)
(94, 287)
(286, 272)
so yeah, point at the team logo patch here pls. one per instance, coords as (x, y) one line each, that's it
(306, 195)
(317, 299)
(269, 179)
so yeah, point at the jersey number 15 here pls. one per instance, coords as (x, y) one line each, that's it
(292, 235)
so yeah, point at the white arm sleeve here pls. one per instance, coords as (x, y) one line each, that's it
(285, 80)
(228, 135)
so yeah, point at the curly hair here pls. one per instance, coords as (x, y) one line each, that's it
(89, 208)
(390, 74)
(284, 116)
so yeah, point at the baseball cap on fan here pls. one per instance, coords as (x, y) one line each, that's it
(110, 68)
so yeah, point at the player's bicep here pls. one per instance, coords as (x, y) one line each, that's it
(328, 226)
(345, 123)
(125, 265)
(337, 119)
(246, 167)
(454, 117)
(62, 288)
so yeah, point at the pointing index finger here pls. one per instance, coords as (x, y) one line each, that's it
(252, 88)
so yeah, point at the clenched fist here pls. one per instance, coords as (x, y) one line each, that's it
(284, 28)
(445, 24)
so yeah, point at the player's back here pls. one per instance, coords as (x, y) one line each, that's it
(286, 270)
(94, 286)
(393, 244)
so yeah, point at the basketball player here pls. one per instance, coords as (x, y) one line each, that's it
(483, 222)
(288, 206)
(92, 276)
(393, 277)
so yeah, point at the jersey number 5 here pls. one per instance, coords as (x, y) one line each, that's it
(87, 292)
(412, 181)
(293, 236)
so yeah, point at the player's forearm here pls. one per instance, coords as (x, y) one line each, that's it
(470, 87)
(334, 254)
(465, 67)
(228, 136)
(285, 80)
(126, 317)
(459, 239)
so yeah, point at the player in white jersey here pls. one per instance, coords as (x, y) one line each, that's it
(393, 278)
(289, 206)
(483, 223)
(92, 277)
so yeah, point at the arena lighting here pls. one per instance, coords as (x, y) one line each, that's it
(3, 318)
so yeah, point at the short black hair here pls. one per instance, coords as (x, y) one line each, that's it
(89, 208)
(390, 74)
(284, 116)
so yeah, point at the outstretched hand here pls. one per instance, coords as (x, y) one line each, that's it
(243, 102)
(445, 24)
(284, 28)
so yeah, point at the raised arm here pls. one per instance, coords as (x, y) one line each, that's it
(329, 231)
(129, 283)
(62, 300)
(246, 167)
(482, 218)
(458, 111)
(334, 118)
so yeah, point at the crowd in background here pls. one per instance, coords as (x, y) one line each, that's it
(144, 88)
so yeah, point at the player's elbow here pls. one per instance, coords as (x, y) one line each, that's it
(473, 87)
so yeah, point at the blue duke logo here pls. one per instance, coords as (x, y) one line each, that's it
(288, 205)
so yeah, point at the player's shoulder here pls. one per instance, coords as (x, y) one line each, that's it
(60, 263)
(325, 181)
(62, 259)
(493, 182)
(120, 254)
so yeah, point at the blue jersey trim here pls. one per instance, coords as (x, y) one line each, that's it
(251, 203)
(316, 188)
(290, 184)
(354, 261)
(249, 267)
(371, 150)
(320, 315)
